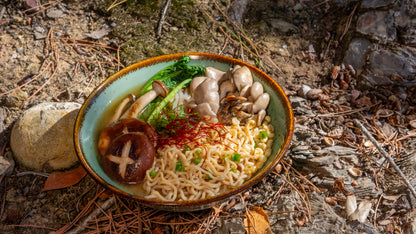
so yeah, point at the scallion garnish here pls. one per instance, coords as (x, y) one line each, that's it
(235, 157)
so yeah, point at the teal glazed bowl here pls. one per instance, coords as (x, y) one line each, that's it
(128, 80)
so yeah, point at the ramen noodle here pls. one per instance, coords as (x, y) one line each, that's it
(222, 166)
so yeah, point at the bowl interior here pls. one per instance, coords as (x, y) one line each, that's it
(90, 118)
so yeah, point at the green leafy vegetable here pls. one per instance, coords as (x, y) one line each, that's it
(175, 74)
(167, 100)
(235, 157)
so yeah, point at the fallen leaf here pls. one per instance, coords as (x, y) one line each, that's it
(257, 221)
(64, 179)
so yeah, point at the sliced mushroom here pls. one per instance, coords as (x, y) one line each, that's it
(195, 83)
(242, 77)
(261, 103)
(214, 73)
(159, 88)
(205, 110)
(207, 91)
(246, 107)
(245, 91)
(120, 108)
(256, 90)
(260, 117)
(122, 126)
(129, 157)
(226, 88)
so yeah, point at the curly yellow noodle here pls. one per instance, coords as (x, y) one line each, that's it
(216, 172)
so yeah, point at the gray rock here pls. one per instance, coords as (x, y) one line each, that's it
(297, 101)
(384, 63)
(405, 20)
(378, 25)
(42, 138)
(356, 55)
(365, 188)
(366, 4)
(39, 36)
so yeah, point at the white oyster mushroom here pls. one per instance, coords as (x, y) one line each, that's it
(214, 73)
(226, 88)
(195, 82)
(261, 103)
(205, 97)
(260, 117)
(245, 91)
(242, 77)
(256, 90)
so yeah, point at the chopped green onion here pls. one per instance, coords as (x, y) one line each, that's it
(255, 145)
(197, 160)
(153, 173)
(197, 152)
(235, 157)
(233, 170)
(263, 135)
(186, 147)
(208, 176)
(179, 166)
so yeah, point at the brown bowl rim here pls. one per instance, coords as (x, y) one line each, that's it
(194, 56)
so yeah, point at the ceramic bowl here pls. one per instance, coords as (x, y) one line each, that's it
(114, 88)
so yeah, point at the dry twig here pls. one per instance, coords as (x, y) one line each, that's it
(162, 19)
(386, 155)
(107, 204)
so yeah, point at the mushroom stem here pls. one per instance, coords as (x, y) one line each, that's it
(121, 107)
(159, 88)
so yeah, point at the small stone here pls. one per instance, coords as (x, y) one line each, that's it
(32, 5)
(15, 98)
(99, 33)
(42, 138)
(297, 101)
(54, 13)
(39, 36)
(6, 165)
(283, 26)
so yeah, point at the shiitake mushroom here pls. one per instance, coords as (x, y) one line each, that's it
(128, 158)
(123, 126)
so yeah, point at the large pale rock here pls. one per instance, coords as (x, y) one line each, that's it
(42, 138)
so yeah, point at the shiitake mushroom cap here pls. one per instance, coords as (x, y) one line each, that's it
(141, 152)
(122, 126)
